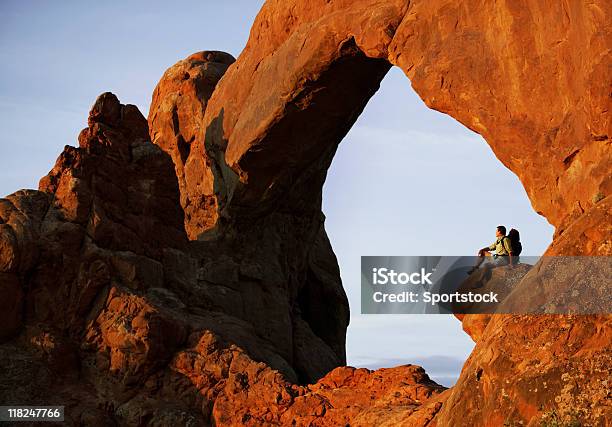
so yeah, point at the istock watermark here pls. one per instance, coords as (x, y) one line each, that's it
(382, 276)
(464, 285)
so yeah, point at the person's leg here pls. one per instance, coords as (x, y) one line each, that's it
(481, 258)
(500, 261)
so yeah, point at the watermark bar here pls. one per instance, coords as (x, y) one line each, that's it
(31, 413)
(474, 285)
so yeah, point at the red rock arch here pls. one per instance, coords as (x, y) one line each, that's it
(210, 324)
(532, 80)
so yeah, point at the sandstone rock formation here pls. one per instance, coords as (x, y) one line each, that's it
(319, 61)
(523, 363)
(532, 79)
(191, 281)
(175, 116)
(100, 278)
(499, 280)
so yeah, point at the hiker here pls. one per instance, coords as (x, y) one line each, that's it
(504, 253)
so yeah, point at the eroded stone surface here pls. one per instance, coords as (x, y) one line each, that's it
(175, 117)
(191, 281)
(536, 369)
(544, 113)
(104, 291)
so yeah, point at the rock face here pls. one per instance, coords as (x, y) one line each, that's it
(190, 281)
(319, 61)
(499, 280)
(175, 117)
(125, 319)
(539, 368)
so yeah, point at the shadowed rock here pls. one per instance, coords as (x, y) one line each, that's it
(191, 280)
(176, 115)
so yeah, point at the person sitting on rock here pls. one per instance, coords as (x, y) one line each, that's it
(502, 246)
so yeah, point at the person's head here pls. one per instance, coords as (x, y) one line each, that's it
(514, 235)
(500, 231)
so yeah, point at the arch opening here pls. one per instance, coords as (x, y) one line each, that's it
(408, 180)
(281, 153)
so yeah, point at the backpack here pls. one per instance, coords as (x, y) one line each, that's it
(515, 243)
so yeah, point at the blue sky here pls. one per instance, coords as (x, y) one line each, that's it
(406, 180)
